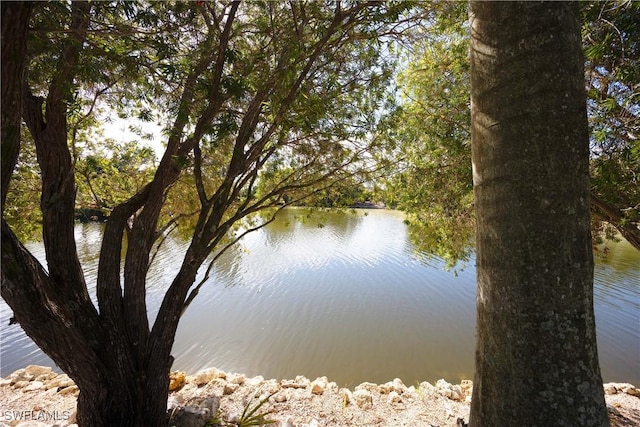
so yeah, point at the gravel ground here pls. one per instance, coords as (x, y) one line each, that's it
(37, 397)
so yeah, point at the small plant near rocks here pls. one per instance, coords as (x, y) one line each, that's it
(419, 390)
(248, 418)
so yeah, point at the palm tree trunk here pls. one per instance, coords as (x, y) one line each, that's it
(536, 355)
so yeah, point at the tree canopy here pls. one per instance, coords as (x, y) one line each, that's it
(432, 177)
(262, 104)
(433, 182)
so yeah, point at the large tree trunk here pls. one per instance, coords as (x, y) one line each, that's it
(536, 356)
(116, 387)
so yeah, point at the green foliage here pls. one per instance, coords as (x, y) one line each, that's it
(108, 176)
(339, 117)
(432, 180)
(250, 416)
(317, 114)
(432, 156)
(612, 51)
(23, 198)
(341, 195)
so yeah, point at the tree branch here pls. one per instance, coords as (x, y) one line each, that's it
(15, 20)
(615, 217)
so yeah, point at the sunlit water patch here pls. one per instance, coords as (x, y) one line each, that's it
(344, 295)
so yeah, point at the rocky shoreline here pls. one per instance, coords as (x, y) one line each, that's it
(38, 397)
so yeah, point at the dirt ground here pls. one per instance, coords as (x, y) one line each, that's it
(35, 396)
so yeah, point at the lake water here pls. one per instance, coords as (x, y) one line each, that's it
(344, 295)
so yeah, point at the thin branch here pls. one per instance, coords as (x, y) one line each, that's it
(194, 292)
(197, 173)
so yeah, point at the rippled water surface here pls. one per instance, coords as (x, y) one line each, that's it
(345, 295)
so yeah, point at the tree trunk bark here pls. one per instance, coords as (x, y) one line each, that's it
(119, 383)
(116, 388)
(536, 355)
(125, 397)
(15, 22)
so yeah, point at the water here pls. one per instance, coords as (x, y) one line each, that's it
(347, 296)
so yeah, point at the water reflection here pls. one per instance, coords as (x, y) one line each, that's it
(617, 308)
(344, 295)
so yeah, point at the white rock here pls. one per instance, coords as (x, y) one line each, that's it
(346, 395)
(291, 384)
(5, 382)
(172, 403)
(395, 385)
(271, 386)
(45, 377)
(410, 393)
(453, 392)
(237, 378)
(398, 386)
(319, 385)
(287, 423)
(427, 387)
(456, 393)
(230, 388)
(37, 370)
(34, 385)
(441, 384)
(264, 396)
(68, 390)
(363, 398)
(386, 388)
(302, 380)
(614, 388)
(394, 397)
(455, 396)
(20, 384)
(282, 396)
(60, 381)
(632, 391)
(610, 389)
(20, 375)
(189, 388)
(371, 387)
(207, 375)
(447, 408)
(17, 373)
(257, 380)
